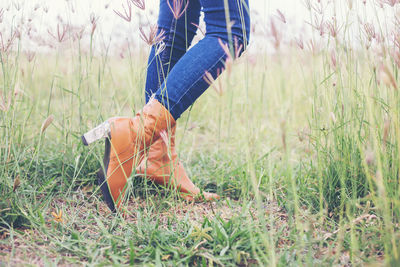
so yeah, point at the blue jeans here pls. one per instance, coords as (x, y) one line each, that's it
(175, 75)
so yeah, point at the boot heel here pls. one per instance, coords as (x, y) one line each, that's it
(101, 131)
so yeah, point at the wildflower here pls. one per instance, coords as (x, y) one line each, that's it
(46, 123)
(57, 217)
(127, 12)
(153, 37)
(176, 7)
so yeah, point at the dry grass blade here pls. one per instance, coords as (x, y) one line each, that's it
(199, 28)
(17, 182)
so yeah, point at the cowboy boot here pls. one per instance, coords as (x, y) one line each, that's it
(126, 141)
(162, 166)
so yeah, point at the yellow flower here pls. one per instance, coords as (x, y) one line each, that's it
(57, 217)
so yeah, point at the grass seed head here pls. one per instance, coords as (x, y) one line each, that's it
(46, 123)
(396, 58)
(17, 90)
(209, 79)
(300, 43)
(386, 77)
(333, 59)
(139, 3)
(386, 128)
(5, 104)
(370, 157)
(333, 117)
(60, 36)
(280, 15)
(153, 37)
(93, 23)
(127, 12)
(177, 7)
(275, 35)
(333, 27)
(391, 3)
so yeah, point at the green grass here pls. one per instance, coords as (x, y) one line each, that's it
(304, 154)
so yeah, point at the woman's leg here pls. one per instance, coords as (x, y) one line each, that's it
(177, 38)
(185, 82)
(161, 163)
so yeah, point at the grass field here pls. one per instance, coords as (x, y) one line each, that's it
(302, 144)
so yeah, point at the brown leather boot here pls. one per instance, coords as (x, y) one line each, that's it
(162, 166)
(126, 141)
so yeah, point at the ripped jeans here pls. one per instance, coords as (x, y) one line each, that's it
(175, 75)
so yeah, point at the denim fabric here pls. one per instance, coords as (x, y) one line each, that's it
(175, 75)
